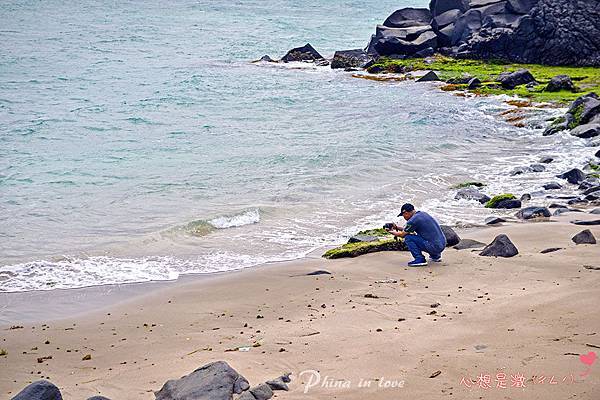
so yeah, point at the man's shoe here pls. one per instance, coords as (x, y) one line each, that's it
(437, 260)
(417, 263)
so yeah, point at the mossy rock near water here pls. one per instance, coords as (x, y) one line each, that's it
(350, 250)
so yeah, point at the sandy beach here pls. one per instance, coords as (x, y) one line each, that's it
(520, 322)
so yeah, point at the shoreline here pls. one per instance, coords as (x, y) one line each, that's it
(494, 313)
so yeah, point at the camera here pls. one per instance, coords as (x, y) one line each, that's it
(389, 226)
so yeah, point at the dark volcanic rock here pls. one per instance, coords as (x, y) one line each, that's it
(388, 44)
(494, 220)
(546, 160)
(469, 244)
(520, 6)
(533, 212)
(552, 186)
(550, 250)
(573, 176)
(452, 238)
(554, 32)
(304, 53)
(595, 211)
(586, 131)
(584, 237)
(474, 83)
(560, 82)
(429, 77)
(587, 223)
(266, 58)
(214, 381)
(278, 384)
(406, 17)
(501, 246)
(262, 392)
(525, 197)
(39, 390)
(357, 58)
(509, 203)
(472, 194)
(510, 80)
(439, 7)
(537, 168)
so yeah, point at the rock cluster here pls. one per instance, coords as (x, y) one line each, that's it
(582, 118)
(214, 381)
(553, 32)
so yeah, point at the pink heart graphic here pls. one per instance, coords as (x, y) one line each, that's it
(588, 358)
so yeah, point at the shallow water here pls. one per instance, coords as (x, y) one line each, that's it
(139, 142)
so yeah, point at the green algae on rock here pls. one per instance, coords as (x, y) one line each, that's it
(350, 250)
(468, 184)
(493, 202)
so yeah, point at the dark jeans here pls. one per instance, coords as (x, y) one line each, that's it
(416, 244)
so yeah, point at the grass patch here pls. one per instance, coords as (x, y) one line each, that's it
(493, 202)
(587, 79)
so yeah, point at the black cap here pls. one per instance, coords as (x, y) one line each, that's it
(406, 207)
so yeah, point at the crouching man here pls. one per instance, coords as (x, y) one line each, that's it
(421, 233)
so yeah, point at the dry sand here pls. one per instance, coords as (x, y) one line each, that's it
(532, 315)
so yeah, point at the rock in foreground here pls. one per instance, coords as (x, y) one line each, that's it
(214, 381)
(501, 246)
(39, 390)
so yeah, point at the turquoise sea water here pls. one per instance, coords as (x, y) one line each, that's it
(138, 141)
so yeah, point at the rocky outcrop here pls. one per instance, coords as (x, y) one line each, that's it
(553, 32)
(304, 53)
(501, 246)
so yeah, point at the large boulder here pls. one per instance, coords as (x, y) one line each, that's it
(388, 44)
(409, 16)
(501, 246)
(533, 212)
(586, 131)
(520, 6)
(304, 53)
(452, 237)
(357, 58)
(465, 26)
(510, 80)
(214, 381)
(439, 7)
(560, 82)
(39, 390)
(583, 110)
(584, 237)
(262, 392)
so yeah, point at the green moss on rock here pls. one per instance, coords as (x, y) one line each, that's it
(468, 184)
(380, 232)
(493, 202)
(558, 121)
(577, 113)
(350, 250)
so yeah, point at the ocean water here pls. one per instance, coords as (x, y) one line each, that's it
(139, 142)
